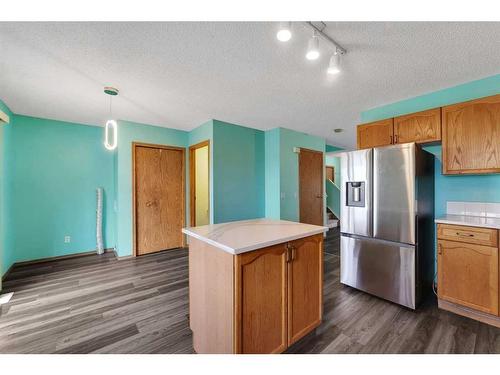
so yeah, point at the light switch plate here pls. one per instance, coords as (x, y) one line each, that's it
(67, 239)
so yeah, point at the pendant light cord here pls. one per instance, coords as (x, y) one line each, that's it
(110, 107)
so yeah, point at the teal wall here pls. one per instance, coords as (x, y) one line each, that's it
(129, 132)
(54, 169)
(272, 174)
(238, 172)
(5, 256)
(484, 188)
(50, 170)
(289, 169)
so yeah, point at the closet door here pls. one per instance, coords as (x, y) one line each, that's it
(159, 198)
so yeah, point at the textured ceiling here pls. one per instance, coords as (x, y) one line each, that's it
(179, 75)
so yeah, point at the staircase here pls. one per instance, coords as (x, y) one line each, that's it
(332, 204)
(333, 221)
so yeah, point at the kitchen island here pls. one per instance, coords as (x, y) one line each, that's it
(255, 286)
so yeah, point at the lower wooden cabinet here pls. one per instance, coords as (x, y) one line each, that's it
(261, 301)
(468, 273)
(278, 295)
(305, 291)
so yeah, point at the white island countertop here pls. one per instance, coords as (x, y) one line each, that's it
(238, 237)
(470, 221)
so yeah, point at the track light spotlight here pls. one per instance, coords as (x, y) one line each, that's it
(284, 33)
(313, 47)
(334, 65)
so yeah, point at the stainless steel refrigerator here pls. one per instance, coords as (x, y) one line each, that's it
(387, 210)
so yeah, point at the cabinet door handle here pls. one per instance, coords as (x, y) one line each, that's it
(465, 234)
(440, 249)
(288, 253)
(395, 139)
(294, 253)
(391, 140)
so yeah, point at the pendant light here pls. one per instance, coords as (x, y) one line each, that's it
(284, 33)
(313, 47)
(334, 65)
(111, 127)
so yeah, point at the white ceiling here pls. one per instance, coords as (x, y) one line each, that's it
(179, 75)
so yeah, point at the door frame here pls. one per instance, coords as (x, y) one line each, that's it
(322, 181)
(134, 188)
(192, 181)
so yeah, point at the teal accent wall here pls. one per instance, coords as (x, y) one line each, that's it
(289, 171)
(54, 169)
(238, 172)
(5, 257)
(129, 132)
(480, 188)
(50, 170)
(282, 171)
(272, 174)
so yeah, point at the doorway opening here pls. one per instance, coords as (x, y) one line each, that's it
(199, 177)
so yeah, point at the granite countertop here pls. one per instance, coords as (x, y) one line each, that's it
(238, 237)
(470, 221)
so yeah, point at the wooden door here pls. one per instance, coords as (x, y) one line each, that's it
(375, 134)
(311, 185)
(420, 127)
(260, 290)
(468, 275)
(305, 286)
(471, 137)
(158, 197)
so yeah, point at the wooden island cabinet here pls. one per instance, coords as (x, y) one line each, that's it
(255, 286)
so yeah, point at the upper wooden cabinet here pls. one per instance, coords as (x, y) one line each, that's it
(471, 137)
(374, 134)
(420, 127)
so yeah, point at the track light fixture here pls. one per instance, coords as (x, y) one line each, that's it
(284, 33)
(334, 65)
(313, 47)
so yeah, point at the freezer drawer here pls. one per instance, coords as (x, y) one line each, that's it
(381, 268)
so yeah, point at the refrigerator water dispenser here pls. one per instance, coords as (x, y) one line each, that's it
(355, 194)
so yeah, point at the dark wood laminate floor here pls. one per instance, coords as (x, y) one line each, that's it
(98, 304)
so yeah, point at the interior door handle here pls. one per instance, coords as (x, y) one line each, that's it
(319, 196)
